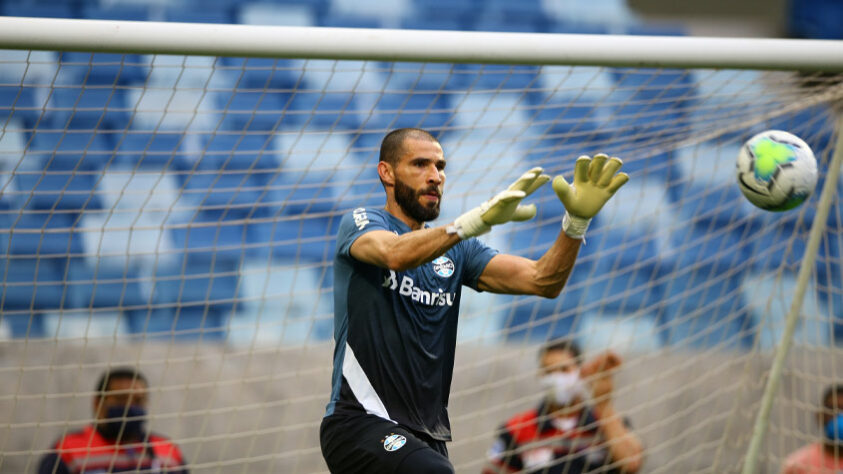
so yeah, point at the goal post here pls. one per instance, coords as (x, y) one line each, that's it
(170, 195)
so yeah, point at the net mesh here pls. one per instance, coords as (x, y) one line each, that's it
(178, 215)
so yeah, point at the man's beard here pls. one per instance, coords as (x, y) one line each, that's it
(408, 199)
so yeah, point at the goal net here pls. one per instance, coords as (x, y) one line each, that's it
(177, 214)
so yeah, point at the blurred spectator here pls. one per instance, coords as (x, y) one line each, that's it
(117, 441)
(826, 456)
(564, 434)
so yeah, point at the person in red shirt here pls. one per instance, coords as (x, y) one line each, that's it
(826, 456)
(117, 441)
(564, 434)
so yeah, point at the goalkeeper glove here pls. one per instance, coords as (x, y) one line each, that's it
(595, 182)
(503, 207)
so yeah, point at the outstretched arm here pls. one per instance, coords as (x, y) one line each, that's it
(595, 182)
(409, 250)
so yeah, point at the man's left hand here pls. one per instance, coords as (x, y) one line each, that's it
(598, 373)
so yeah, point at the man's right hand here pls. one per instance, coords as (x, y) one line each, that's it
(503, 207)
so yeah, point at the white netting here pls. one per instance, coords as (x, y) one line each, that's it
(178, 214)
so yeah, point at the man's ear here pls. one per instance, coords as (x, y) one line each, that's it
(386, 173)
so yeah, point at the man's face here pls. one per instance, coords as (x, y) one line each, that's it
(558, 361)
(420, 179)
(122, 392)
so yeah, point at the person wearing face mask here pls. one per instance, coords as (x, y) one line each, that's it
(118, 439)
(826, 456)
(575, 429)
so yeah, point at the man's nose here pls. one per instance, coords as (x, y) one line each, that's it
(434, 176)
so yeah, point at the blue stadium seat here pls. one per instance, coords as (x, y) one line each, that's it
(231, 173)
(310, 239)
(629, 275)
(505, 15)
(427, 14)
(104, 286)
(252, 110)
(277, 75)
(19, 103)
(39, 10)
(198, 283)
(223, 15)
(814, 19)
(45, 233)
(430, 111)
(183, 324)
(349, 21)
(704, 308)
(117, 11)
(565, 129)
(101, 69)
(497, 77)
(404, 77)
(210, 235)
(87, 108)
(328, 110)
(33, 283)
(148, 150)
(649, 103)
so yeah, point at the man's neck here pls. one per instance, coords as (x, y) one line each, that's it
(393, 208)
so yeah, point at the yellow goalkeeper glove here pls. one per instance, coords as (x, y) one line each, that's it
(503, 207)
(595, 182)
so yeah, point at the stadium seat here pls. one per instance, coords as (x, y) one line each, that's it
(45, 233)
(27, 67)
(100, 69)
(197, 283)
(183, 324)
(23, 104)
(705, 308)
(39, 9)
(33, 283)
(349, 21)
(230, 173)
(143, 150)
(210, 235)
(206, 14)
(814, 19)
(505, 15)
(284, 238)
(275, 75)
(282, 303)
(565, 129)
(427, 14)
(414, 78)
(87, 108)
(430, 111)
(327, 110)
(90, 285)
(252, 110)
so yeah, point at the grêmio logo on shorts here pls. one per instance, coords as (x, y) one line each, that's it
(408, 288)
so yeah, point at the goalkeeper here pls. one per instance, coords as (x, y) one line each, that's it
(397, 291)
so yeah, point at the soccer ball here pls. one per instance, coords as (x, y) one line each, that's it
(777, 171)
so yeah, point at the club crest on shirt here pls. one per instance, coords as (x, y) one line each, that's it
(394, 442)
(443, 266)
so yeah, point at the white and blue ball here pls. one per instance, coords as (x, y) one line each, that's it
(777, 170)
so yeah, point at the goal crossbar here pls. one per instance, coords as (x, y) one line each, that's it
(401, 45)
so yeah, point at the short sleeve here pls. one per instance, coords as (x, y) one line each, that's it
(477, 256)
(355, 224)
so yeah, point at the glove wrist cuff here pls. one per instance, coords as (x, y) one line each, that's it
(469, 225)
(573, 226)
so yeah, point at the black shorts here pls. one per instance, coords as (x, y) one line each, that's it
(369, 444)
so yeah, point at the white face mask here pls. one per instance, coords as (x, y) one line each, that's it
(564, 387)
